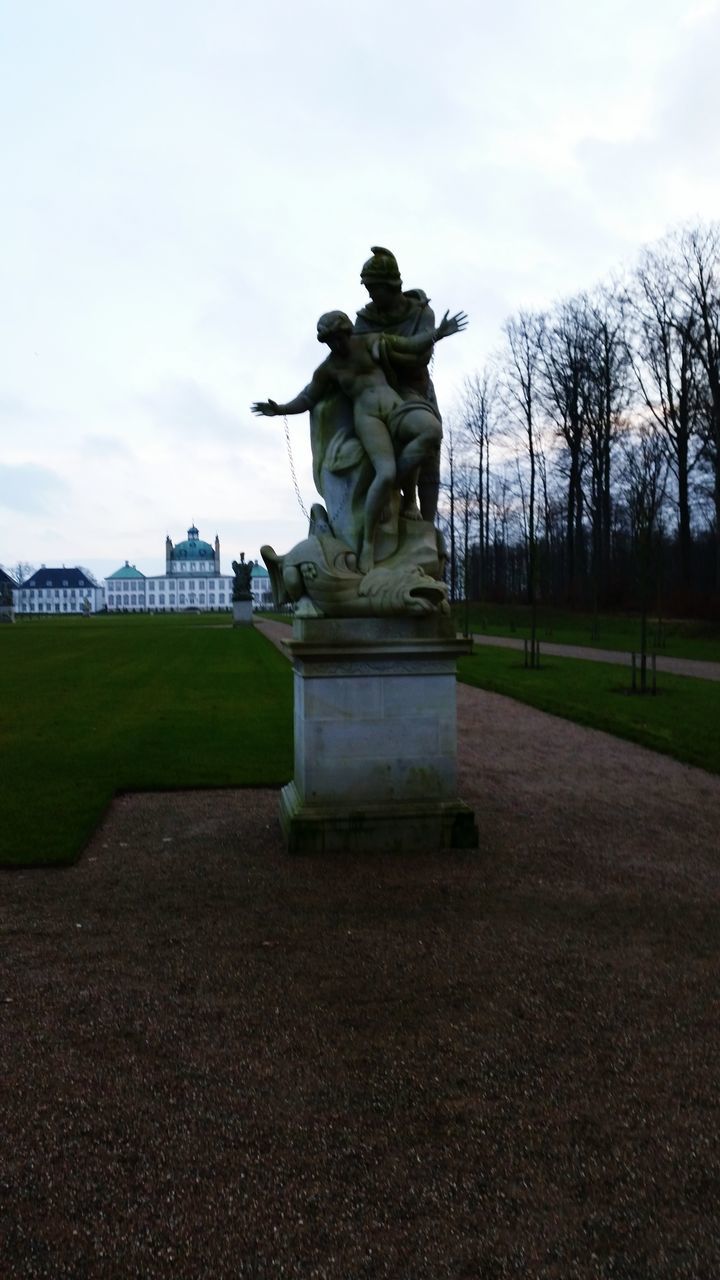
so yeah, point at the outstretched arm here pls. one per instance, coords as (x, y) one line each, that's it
(318, 387)
(270, 408)
(451, 324)
(422, 343)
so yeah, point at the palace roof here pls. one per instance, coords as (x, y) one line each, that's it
(59, 578)
(127, 571)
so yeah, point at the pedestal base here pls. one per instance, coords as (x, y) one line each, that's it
(242, 613)
(391, 828)
(375, 737)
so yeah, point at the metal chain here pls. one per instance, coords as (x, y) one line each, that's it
(292, 470)
(341, 509)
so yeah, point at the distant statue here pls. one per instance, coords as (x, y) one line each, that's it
(243, 577)
(375, 434)
(6, 593)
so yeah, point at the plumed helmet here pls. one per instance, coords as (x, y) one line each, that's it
(382, 268)
(333, 322)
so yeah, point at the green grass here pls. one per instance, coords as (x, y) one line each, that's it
(677, 638)
(682, 721)
(95, 706)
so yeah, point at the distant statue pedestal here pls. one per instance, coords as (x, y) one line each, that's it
(242, 613)
(375, 737)
(7, 613)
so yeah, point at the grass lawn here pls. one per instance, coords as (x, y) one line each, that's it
(683, 720)
(677, 638)
(99, 705)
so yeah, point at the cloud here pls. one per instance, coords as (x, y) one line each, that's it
(186, 409)
(106, 448)
(30, 488)
(688, 110)
(13, 410)
(665, 170)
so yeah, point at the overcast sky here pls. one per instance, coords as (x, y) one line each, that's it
(187, 185)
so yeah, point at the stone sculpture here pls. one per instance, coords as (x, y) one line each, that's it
(372, 550)
(243, 575)
(403, 313)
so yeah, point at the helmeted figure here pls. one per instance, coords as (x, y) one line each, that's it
(406, 313)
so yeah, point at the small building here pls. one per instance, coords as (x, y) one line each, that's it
(59, 591)
(125, 589)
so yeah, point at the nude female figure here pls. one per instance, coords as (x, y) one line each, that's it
(397, 434)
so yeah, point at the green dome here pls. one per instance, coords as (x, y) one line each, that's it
(193, 548)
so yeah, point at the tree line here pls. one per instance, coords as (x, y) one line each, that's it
(582, 464)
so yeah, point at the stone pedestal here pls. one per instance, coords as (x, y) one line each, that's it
(375, 737)
(242, 613)
(7, 613)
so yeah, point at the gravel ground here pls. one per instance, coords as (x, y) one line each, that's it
(676, 666)
(219, 1061)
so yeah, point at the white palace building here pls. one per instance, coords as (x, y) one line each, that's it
(192, 580)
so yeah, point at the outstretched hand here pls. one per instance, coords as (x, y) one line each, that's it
(451, 324)
(266, 408)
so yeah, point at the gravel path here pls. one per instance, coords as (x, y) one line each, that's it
(676, 666)
(219, 1061)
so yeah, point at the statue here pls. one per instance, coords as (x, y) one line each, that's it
(393, 311)
(361, 365)
(375, 437)
(243, 575)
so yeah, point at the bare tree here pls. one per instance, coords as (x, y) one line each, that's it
(476, 414)
(501, 515)
(520, 392)
(449, 445)
(548, 520)
(21, 571)
(666, 366)
(465, 499)
(566, 371)
(608, 395)
(700, 279)
(644, 482)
